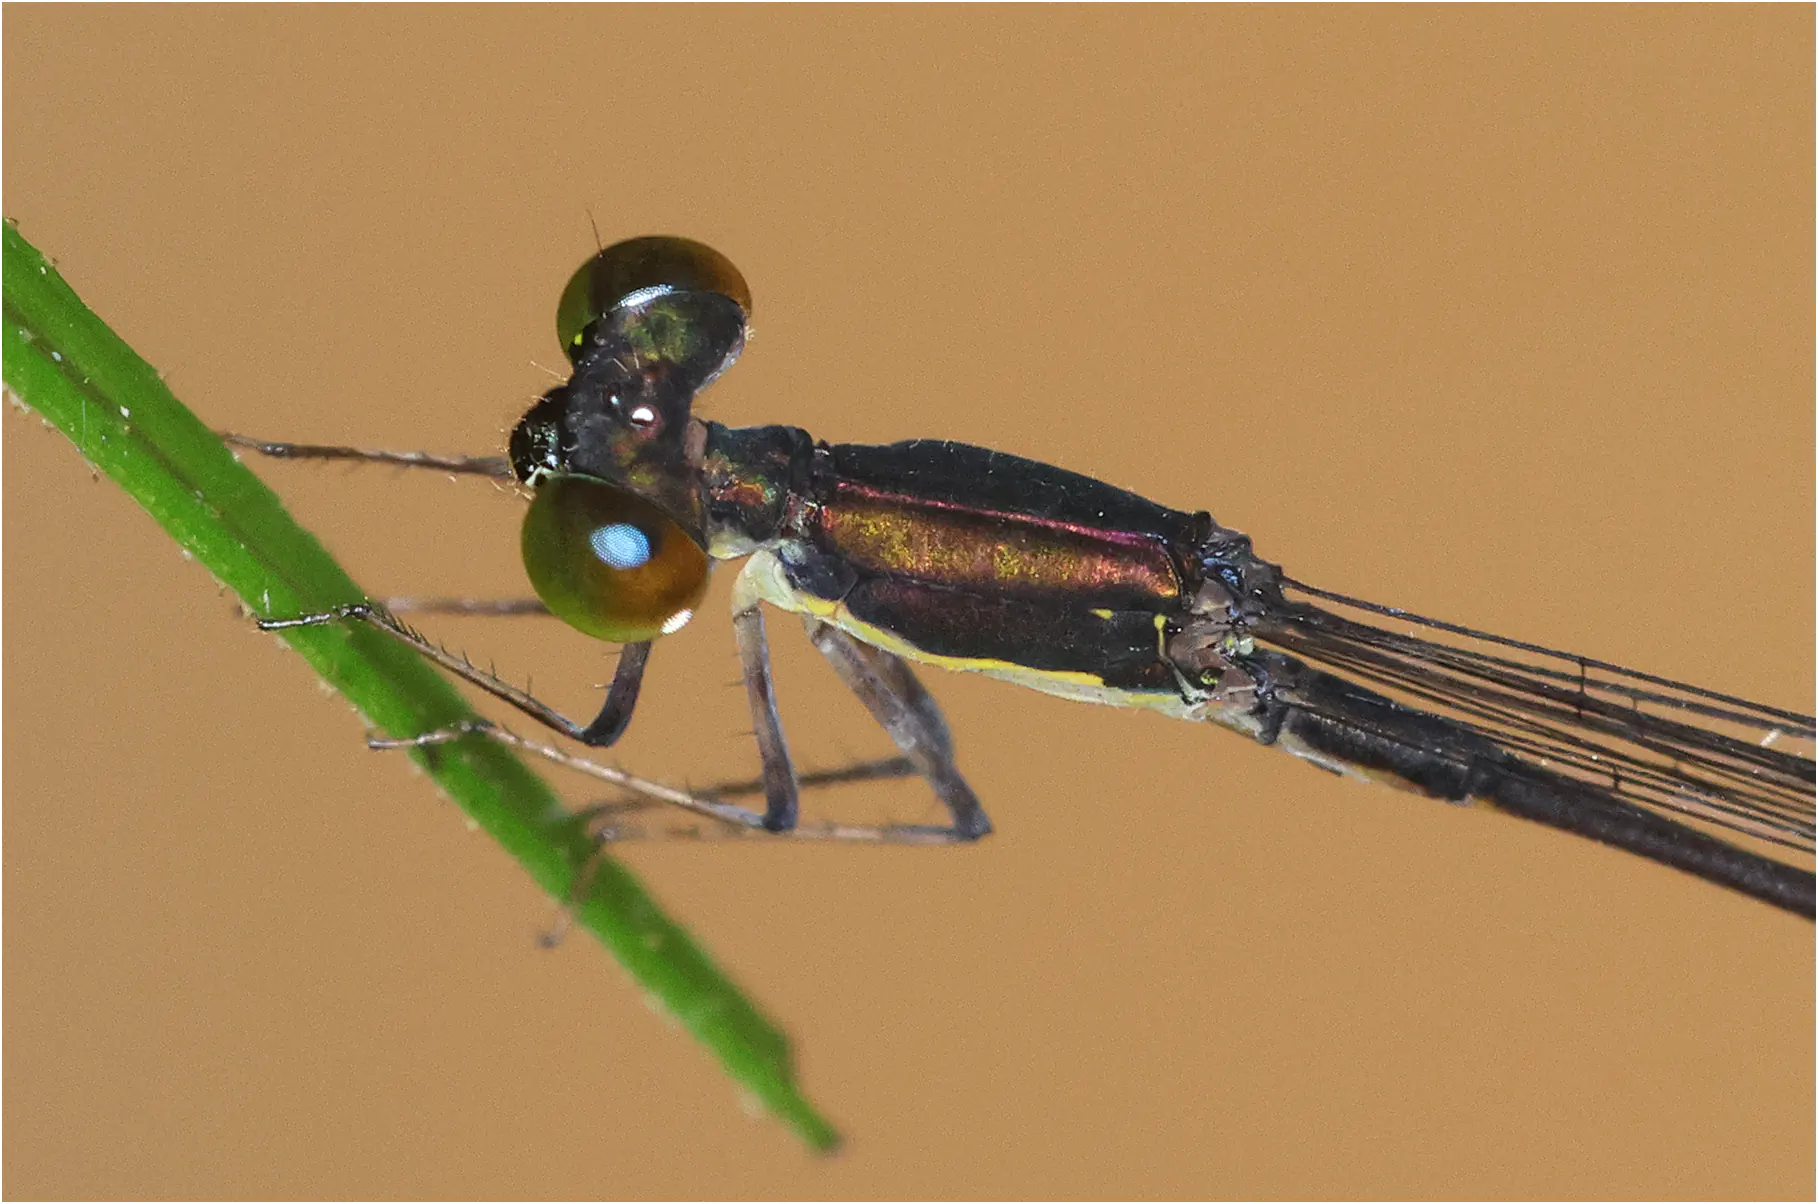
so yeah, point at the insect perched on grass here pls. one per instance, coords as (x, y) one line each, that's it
(969, 559)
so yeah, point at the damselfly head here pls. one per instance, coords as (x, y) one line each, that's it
(614, 538)
(648, 324)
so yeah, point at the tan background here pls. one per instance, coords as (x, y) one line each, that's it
(1500, 315)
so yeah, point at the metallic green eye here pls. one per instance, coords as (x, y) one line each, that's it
(608, 563)
(629, 272)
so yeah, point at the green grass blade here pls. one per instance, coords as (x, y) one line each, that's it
(64, 362)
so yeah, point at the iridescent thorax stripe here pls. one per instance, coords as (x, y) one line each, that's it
(994, 551)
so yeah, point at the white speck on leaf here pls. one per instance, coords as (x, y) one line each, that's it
(656, 1007)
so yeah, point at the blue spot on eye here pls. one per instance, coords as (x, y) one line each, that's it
(621, 545)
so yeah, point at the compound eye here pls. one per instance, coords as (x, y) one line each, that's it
(608, 563)
(629, 272)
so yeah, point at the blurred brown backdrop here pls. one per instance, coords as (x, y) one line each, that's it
(1502, 315)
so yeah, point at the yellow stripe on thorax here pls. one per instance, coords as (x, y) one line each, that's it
(764, 579)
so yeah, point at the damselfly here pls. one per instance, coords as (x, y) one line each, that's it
(969, 559)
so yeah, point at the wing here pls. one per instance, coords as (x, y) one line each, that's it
(1678, 750)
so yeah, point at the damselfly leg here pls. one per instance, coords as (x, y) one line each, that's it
(907, 713)
(882, 681)
(602, 732)
(889, 690)
(486, 607)
(709, 802)
(497, 467)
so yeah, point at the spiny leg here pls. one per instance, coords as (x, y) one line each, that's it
(780, 802)
(728, 818)
(909, 709)
(704, 803)
(894, 671)
(887, 687)
(608, 831)
(604, 730)
(889, 690)
(881, 769)
(899, 679)
(607, 727)
(611, 833)
(481, 608)
(497, 467)
(478, 607)
(621, 697)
